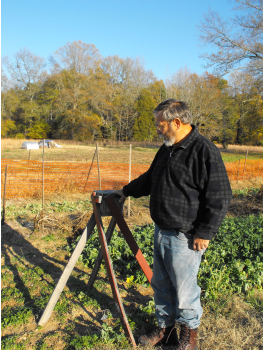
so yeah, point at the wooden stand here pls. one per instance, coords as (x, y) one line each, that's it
(105, 203)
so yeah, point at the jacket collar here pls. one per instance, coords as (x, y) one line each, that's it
(186, 141)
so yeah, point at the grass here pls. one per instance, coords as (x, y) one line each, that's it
(233, 157)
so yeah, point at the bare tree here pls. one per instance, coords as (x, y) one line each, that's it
(202, 94)
(238, 41)
(26, 68)
(77, 56)
(6, 83)
(27, 75)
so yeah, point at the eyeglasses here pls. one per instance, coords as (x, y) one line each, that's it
(159, 127)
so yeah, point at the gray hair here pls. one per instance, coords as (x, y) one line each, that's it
(173, 109)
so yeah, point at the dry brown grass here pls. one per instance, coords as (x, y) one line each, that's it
(11, 149)
(13, 143)
(238, 326)
(247, 183)
(8, 142)
(242, 148)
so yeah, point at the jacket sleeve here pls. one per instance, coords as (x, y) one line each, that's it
(142, 185)
(215, 196)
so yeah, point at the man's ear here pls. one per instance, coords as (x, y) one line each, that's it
(177, 123)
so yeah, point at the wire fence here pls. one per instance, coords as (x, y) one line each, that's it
(244, 169)
(24, 177)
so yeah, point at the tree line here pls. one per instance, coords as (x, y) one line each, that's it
(80, 95)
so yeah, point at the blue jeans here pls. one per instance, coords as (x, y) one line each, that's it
(174, 281)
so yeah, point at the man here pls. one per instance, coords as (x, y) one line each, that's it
(189, 197)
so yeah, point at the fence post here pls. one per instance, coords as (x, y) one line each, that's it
(129, 198)
(90, 169)
(3, 217)
(43, 160)
(97, 150)
(238, 169)
(245, 164)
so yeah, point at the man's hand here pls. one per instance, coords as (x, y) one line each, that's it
(120, 193)
(200, 243)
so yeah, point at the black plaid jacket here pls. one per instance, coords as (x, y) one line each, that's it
(189, 187)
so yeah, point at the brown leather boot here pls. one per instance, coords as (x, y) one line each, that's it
(188, 339)
(165, 336)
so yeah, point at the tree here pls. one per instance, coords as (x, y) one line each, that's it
(126, 78)
(144, 129)
(26, 69)
(202, 94)
(238, 41)
(89, 128)
(253, 122)
(227, 127)
(27, 73)
(158, 91)
(76, 56)
(246, 107)
(7, 126)
(39, 130)
(71, 100)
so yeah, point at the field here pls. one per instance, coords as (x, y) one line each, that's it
(114, 152)
(231, 274)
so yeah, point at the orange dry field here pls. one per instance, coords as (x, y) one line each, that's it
(73, 168)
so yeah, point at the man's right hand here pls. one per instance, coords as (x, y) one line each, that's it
(120, 193)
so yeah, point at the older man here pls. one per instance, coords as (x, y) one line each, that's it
(189, 197)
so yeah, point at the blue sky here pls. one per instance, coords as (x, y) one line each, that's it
(163, 33)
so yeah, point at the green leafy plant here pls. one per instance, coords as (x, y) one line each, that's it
(232, 263)
(14, 316)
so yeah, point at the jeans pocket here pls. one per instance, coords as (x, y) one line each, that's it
(183, 236)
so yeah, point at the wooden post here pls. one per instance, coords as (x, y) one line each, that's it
(116, 213)
(245, 164)
(238, 169)
(3, 217)
(28, 162)
(90, 169)
(111, 275)
(43, 161)
(97, 150)
(67, 271)
(129, 198)
(98, 262)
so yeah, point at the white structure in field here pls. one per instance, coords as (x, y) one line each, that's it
(30, 145)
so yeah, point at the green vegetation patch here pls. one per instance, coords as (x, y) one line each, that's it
(14, 316)
(232, 263)
(233, 157)
(11, 343)
(234, 260)
(16, 211)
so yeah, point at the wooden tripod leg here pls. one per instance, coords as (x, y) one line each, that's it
(109, 267)
(129, 237)
(67, 271)
(95, 270)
